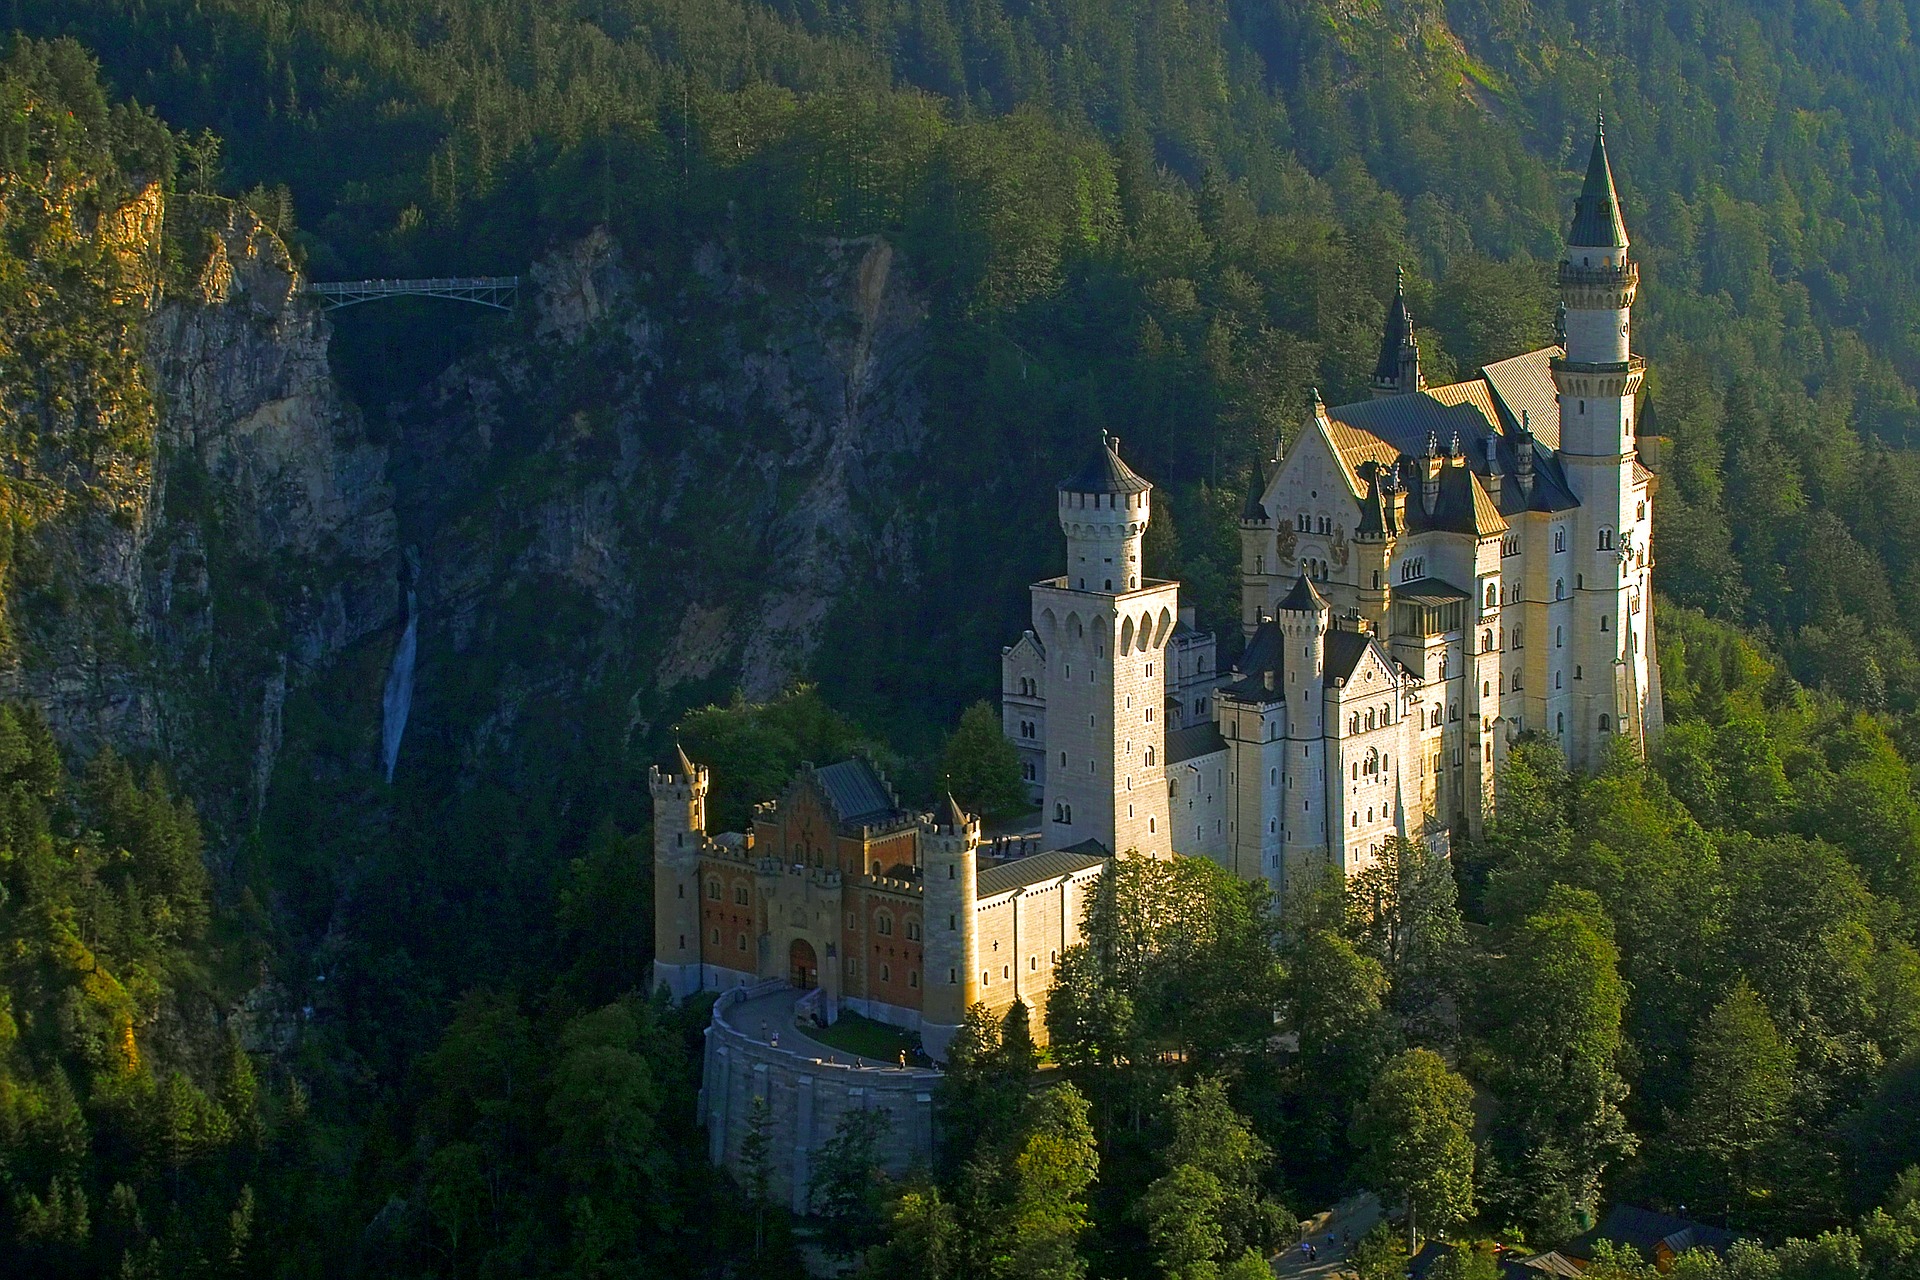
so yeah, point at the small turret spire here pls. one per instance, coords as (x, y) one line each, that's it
(686, 766)
(1397, 371)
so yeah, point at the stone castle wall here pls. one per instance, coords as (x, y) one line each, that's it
(806, 1097)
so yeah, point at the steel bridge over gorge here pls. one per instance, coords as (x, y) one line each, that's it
(498, 292)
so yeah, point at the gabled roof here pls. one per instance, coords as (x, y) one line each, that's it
(1596, 214)
(1104, 472)
(1265, 654)
(857, 793)
(1648, 1231)
(1344, 651)
(1461, 506)
(1492, 406)
(1038, 869)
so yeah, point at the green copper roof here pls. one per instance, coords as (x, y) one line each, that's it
(1596, 214)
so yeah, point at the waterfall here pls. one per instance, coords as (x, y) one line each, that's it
(399, 695)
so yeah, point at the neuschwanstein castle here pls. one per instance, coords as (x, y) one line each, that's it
(1425, 575)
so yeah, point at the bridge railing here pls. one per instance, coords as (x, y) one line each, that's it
(498, 292)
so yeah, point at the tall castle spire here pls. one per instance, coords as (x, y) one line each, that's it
(1597, 223)
(1397, 372)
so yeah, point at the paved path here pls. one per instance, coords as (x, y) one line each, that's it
(764, 1016)
(1333, 1236)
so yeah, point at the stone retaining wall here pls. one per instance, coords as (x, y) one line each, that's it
(806, 1096)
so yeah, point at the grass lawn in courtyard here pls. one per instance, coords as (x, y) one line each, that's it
(870, 1039)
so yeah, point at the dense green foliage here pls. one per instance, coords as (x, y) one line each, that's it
(1162, 219)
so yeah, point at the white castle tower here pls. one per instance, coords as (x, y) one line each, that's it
(1104, 627)
(950, 872)
(679, 831)
(1597, 380)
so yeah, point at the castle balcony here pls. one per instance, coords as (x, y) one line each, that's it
(1591, 380)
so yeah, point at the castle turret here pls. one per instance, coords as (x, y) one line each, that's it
(949, 843)
(1373, 540)
(679, 830)
(1104, 509)
(1397, 372)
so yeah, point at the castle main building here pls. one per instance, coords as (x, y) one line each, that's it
(1424, 576)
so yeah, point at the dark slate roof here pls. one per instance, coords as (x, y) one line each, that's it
(1429, 591)
(1344, 651)
(1304, 598)
(857, 793)
(1194, 741)
(1647, 1230)
(1394, 338)
(1596, 214)
(1105, 473)
(1387, 430)
(1039, 868)
(1256, 490)
(1265, 652)
(1461, 506)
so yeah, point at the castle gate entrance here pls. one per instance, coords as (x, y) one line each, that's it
(803, 966)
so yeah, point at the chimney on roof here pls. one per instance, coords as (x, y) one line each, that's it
(1430, 479)
(1523, 456)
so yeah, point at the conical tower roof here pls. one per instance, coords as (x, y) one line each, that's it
(686, 765)
(1596, 214)
(1398, 332)
(1105, 473)
(955, 816)
(1304, 598)
(1254, 509)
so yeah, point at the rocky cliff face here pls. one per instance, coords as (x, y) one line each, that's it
(662, 493)
(242, 536)
(643, 495)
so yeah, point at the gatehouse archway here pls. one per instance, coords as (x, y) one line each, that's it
(803, 967)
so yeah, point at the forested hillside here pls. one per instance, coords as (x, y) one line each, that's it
(820, 300)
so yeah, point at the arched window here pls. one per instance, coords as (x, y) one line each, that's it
(1606, 723)
(883, 924)
(1149, 755)
(1486, 642)
(713, 890)
(1559, 539)
(1603, 622)
(1606, 540)
(1503, 682)
(1435, 722)
(1559, 637)
(740, 894)
(1485, 688)
(1490, 595)
(1559, 722)
(1370, 718)
(1353, 723)
(1559, 588)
